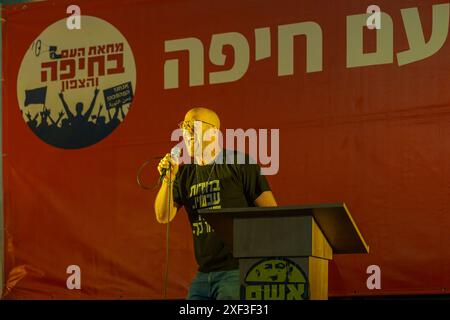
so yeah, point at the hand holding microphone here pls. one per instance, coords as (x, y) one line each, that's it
(170, 160)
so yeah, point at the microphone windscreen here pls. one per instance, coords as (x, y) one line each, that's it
(175, 152)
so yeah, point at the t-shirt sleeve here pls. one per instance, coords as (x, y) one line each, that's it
(253, 182)
(177, 197)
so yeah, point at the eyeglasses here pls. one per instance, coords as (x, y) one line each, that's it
(189, 126)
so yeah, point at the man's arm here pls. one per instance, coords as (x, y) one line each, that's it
(163, 215)
(165, 212)
(66, 107)
(87, 115)
(266, 199)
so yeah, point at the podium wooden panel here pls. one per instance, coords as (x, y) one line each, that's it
(300, 239)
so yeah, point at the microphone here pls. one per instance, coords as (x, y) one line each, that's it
(175, 154)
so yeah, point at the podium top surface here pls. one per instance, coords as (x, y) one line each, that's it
(334, 220)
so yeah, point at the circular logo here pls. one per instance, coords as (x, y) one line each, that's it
(275, 279)
(76, 86)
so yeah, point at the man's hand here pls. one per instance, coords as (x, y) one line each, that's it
(165, 163)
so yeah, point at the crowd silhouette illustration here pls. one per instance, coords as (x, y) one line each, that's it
(74, 130)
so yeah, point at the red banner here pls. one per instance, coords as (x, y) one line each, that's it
(363, 117)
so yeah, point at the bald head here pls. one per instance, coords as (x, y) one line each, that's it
(203, 114)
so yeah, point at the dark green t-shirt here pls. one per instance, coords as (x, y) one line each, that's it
(215, 186)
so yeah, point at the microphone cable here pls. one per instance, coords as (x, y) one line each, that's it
(138, 176)
(156, 185)
(166, 271)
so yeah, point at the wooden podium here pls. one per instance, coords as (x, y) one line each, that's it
(283, 252)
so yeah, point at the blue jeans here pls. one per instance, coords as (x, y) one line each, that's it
(220, 285)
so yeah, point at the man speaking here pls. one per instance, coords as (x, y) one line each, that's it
(212, 181)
